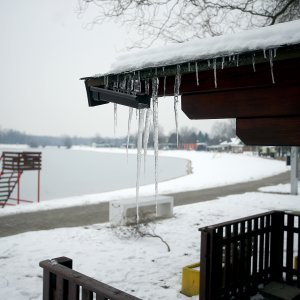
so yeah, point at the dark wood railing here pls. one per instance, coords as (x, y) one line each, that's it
(60, 282)
(238, 256)
(21, 161)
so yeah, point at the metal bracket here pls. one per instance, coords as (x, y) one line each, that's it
(101, 95)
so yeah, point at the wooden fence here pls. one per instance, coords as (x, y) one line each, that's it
(238, 256)
(60, 282)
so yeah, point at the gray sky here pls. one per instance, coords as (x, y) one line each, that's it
(45, 49)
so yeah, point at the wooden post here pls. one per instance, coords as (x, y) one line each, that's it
(294, 170)
(18, 197)
(277, 237)
(39, 185)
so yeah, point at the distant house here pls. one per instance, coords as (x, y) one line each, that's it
(188, 146)
(235, 145)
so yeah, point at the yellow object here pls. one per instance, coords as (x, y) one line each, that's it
(191, 280)
(296, 262)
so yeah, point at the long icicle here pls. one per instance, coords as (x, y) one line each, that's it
(215, 72)
(139, 159)
(128, 130)
(271, 65)
(146, 135)
(155, 85)
(176, 96)
(115, 117)
(197, 76)
(253, 62)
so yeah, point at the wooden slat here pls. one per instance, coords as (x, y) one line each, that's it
(298, 253)
(276, 259)
(86, 294)
(205, 266)
(59, 288)
(228, 265)
(73, 291)
(290, 249)
(46, 285)
(269, 131)
(256, 101)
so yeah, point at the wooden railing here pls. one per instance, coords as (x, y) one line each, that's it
(238, 256)
(60, 282)
(21, 161)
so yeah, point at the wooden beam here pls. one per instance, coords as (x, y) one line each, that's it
(278, 131)
(256, 101)
(285, 72)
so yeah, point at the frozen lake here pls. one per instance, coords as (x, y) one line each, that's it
(68, 173)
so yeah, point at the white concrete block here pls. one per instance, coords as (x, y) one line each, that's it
(123, 212)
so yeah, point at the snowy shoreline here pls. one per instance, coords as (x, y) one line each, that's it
(141, 266)
(208, 170)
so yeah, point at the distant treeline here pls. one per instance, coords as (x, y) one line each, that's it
(221, 131)
(10, 136)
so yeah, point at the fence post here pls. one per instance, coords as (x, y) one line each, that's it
(276, 249)
(204, 264)
(50, 279)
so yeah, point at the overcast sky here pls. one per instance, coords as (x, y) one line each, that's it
(45, 49)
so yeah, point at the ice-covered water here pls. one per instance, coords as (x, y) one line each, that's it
(68, 173)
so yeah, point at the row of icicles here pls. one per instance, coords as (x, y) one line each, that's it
(146, 114)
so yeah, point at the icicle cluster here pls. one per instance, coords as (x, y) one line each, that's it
(132, 84)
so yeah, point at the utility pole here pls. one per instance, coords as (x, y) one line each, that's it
(294, 170)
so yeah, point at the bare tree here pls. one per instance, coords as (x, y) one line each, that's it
(182, 20)
(223, 130)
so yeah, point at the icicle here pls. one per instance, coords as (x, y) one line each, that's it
(197, 78)
(146, 135)
(155, 84)
(237, 60)
(265, 55)
(139, 81)
(147, 88)
(189, 67)
(208, 62)
(215, 71)
(271, 65)
(115, 117)
(139, 159)
(128, 130)
(106, 81)
(253, 62)
(275, 52)
(176, 95)
(165, 84)
(223, 61)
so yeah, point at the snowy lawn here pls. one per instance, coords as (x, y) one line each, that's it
(206, 170)
(140, 266)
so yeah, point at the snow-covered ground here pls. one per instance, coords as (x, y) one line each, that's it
(140, 266)
(123, 259)
(207, 170)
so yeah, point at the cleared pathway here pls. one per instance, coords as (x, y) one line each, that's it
(92, 214)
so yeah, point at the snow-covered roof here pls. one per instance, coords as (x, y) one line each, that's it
(270, 37)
